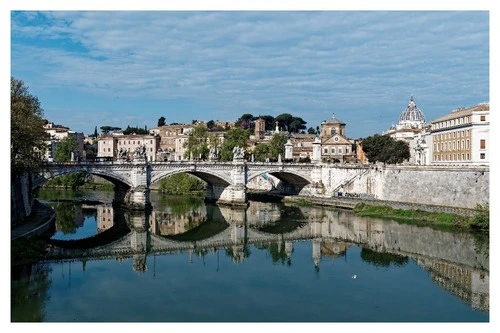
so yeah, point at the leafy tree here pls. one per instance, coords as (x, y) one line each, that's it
(181, 183)
(290, 123)
(27, 134)
(107, 129)
(311, 130)
(135, 130)
(383, 148)
(246, 121)
(262, 152)
(277, 145)
(197, 143)
(211, 125)
(297, 125)
(64, 148)
(161, 121)
(236, 137)
(96, 134)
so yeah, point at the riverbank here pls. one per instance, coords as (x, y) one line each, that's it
(36, 224)
(436, 216)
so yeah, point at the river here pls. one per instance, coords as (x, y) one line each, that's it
(190, 261)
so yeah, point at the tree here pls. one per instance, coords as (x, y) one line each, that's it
(262, 152)
(290, 123)
(95, 132)
(161, 121)
(311, 130)
(277, 146)
(64, 148)
(383, 148)
(135, 130)
(196, 145)
(107, 129)
(26, 129)
(236, 137)
(211, 125)
(245, 121)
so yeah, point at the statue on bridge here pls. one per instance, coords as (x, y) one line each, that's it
(140, 152)
(238, 153)
(214, 154)
(123, 153)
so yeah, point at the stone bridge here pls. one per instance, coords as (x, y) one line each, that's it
(226, 182)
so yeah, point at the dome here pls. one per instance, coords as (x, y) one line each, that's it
(412, 113)
(334, 120)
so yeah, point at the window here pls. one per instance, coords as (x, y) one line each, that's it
(483, 156)
(467, 146)
(483, 118)
(463, 156)
(326, 150)
(483, 144)
(347, 150)
(468, 156)
(333, 150)
(340, 150)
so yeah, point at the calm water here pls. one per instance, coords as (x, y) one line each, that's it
(189, 261)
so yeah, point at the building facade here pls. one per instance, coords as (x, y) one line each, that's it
(462, 136)
(335, 146)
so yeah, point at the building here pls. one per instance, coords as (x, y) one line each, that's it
(111, 145)
(411, 122)
(335, 146)
(58, 133)
(462, 136)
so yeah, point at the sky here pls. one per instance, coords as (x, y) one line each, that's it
(129, 68)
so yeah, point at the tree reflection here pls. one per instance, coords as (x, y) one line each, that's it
(68, 217)
(29, 292)
(383, 259)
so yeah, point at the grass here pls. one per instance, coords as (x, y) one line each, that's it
(448, 221)
(299, 202)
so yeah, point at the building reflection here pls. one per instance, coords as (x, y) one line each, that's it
(204, 229)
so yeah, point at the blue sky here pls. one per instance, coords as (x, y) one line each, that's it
(119, 68)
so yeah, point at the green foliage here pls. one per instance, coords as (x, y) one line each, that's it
(27, 134)
(236, 137)
(277, 145)
(196, 144)
(135, 130)
(262, 152)
(107, 129)
(161, 121)
(64, 148)
(181, 183)
(246, 121)
(66, 218)
(445, 221)
(72, 181)
(383, 148)
(311, 130)
(290, 123)
(481, 218)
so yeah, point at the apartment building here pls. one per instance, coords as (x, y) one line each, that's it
(462, 136)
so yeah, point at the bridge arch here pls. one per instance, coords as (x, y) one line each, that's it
(53, 171)
(209, 177)
(291, 182)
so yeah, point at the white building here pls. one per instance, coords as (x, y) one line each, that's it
(462, 136)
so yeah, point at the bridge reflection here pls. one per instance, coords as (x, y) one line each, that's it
(461, 266)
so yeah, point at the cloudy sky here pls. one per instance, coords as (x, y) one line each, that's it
(119, 68)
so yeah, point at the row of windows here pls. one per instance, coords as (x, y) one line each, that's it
(333, 150)
(125, 142)
(452, 135)
(452, 157)
(452, 122)
(451, 145)
(456, 157)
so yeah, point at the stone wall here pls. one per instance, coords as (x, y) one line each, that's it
(462, 187)
(21, 198)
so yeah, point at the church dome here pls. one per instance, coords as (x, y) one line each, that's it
(412, 114)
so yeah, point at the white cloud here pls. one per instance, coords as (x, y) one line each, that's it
(262, 62)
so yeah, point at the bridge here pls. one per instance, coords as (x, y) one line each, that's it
(226, 182)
